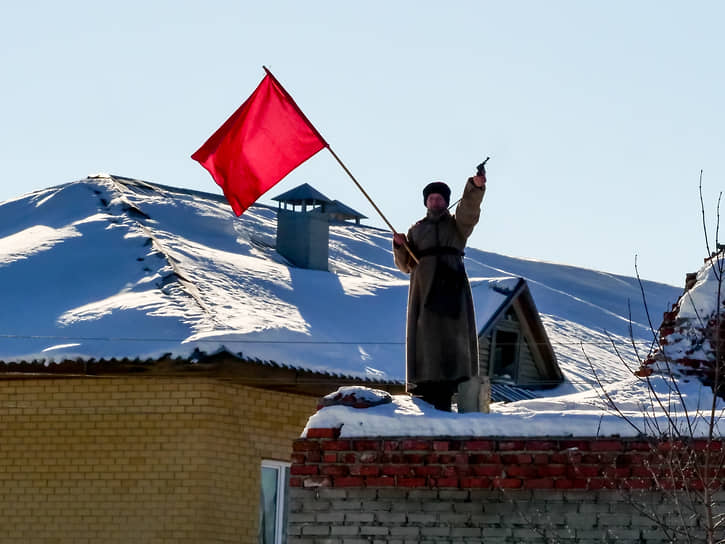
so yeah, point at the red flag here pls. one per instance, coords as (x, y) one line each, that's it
(262, 142)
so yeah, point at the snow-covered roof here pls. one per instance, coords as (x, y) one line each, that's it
(491, 297)
(110, 267)
(338, 208)
(687, 332)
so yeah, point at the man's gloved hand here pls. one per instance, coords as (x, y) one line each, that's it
(479, 180)
(399, 239)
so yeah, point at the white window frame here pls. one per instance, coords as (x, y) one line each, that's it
(282, 468)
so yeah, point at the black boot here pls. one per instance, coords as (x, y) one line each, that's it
(439, 394)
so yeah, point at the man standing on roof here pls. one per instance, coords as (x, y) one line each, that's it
(441, 340)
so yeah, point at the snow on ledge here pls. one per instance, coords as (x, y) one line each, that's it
(578, 415)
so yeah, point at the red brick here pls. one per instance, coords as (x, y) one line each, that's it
(524, 459)
(349, 458)
(462, 459)
(397, 470)
(416, 445)
(484, 459)
(488, 470)
(602, 458)
(369, 457)
(478, 483)
(392, 458)
(323, 433)
(336, 445)
(551, 470)
(349, 481)
(641, 472)
(329, 458)
(427, 470)
(541, 459)
(636, 459)
(616, 473)
(702, 445)
(566, 457)
(669, 446)
(383, 481)
(637, 483)
(317, 481)
(298, 458)
(516, 471)
(364, 470)
(454, 472)
(539, 483)
(460, 470)
(295, 482)
(506, 483)
(441, 445)
(305, 445)
(607, 445)
(478, 445)
(411, 482)
(590, 459)
(302, 470)
(638, 445)
(511, 445)
(366, 445)
(391, 445)
(583, 471)
(541, 445)
(602, 483)
(581, 445)
(334, 470)
(413, 458)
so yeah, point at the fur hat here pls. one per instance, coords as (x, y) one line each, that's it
(437, 187)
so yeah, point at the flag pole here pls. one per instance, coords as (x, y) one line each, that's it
(347, 171)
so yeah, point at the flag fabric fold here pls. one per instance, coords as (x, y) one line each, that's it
(262, 142)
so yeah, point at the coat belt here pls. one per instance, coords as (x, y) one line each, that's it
(439, 250)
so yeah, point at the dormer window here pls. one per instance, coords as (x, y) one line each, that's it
(513, 348)
(505, 354)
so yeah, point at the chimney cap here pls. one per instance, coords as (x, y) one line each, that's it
(304, 194)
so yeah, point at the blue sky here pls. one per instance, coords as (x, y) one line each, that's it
(598, 117)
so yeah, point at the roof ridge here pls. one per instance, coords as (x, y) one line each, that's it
(187, 286)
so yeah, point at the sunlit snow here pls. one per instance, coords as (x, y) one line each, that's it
(111, 267)
(625, 409)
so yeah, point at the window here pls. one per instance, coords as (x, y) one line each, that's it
(273, 503)
(505, 354)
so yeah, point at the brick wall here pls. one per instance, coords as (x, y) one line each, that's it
(138, 459)
(396, 490)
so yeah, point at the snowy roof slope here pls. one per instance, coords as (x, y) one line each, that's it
(113, 267)
(497, 292)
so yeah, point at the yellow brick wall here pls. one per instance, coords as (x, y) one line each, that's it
(138, 459)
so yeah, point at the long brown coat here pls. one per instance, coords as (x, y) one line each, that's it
(440, 347)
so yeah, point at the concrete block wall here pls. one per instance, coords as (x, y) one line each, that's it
(446, 490)
(138, 459)
(410, 515)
